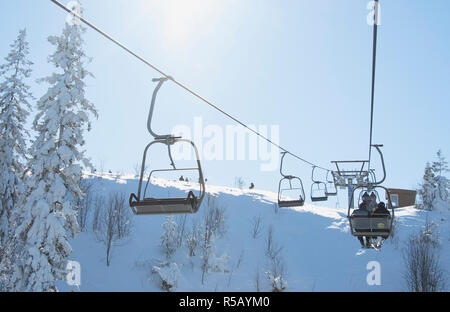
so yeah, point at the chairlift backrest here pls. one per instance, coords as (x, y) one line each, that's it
(318, 189)
(331, 185)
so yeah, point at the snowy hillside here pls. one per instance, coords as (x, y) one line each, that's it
(318, 251)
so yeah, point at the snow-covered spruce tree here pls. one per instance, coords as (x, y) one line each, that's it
(49, 213)
(427, 189)
(169, 239)
(440, 169)
(434, 190)
(14, 110)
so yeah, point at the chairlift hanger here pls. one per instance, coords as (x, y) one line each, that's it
(359, 177)
(290, 178)
(142, 205)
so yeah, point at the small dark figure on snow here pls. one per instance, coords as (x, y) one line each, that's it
(252, 186)
(181, 178)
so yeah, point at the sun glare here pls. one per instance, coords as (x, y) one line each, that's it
(184, 20)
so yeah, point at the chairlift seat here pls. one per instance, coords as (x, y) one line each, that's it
(154, 206)
(291, 203)
(374, 225)
(319, 199)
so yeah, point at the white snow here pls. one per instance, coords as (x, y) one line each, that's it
(318, 251)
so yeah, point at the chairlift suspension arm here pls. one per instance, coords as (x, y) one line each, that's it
(152, 108)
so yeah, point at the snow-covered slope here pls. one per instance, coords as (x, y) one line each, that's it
(319, 252)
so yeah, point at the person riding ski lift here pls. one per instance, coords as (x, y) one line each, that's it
(366, 208)
(381, 209)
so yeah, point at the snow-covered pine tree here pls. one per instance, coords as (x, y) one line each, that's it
(14, 110)
(440, 169)
(48, 214)
(427, 189)
(169, 239)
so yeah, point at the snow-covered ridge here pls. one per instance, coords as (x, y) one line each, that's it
(318, 251)
(266, 197)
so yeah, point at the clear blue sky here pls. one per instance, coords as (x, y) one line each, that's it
(302, 65)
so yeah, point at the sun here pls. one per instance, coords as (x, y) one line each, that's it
(184, 20)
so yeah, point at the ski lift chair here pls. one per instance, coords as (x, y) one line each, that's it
(365, 223)
(331, 185)
(282, 201)
(140, 204)
(318, 189)
(372, 224)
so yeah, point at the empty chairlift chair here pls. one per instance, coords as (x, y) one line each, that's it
(318, 189)
(331, 189)
(141, 204)
(289, 183)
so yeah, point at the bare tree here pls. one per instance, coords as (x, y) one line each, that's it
(206, 245)
(123, 217)
(113, 223)
(137, 169)
(257, 281)
(240, 259)
(98, 203)
(106, 231)
(213, 226)
(192, 239)
(276, 269)
(181, 221)
(423, 271)
(257, 226)
(214, 219)
(84, 205)
(272, 249)
(239, 182)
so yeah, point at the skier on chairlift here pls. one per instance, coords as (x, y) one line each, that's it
(364, 211)
(369, 206)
